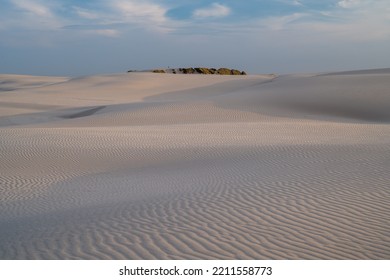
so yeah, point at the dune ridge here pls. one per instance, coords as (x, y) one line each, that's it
(148, 166)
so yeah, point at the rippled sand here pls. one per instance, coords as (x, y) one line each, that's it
(163, 166)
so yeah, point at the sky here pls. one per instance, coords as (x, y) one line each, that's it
(86, 37)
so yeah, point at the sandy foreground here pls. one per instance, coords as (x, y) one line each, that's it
(163, 166)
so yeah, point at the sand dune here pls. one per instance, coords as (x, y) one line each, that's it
(163, 166)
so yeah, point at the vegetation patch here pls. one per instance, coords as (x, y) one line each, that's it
(199, 70)
(187, 70)
(224, 71)
(158, 71)
(211, 71)
(205, 71)
(235, 72)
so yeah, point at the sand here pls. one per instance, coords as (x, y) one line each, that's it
(164, 166)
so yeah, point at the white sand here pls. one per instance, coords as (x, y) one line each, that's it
(163, 166)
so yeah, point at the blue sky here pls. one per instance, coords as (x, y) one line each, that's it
(73, 37)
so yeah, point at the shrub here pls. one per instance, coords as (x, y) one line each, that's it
(158, 71)
(205, 71)
(224, 71)
(188, 70)
(199, 70)
(235, 72)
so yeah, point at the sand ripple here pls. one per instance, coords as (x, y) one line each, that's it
(222, 171)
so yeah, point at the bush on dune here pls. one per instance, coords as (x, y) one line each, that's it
(224, 71)
(235, 72)
(158, 71)
(203, 71)
(187, 70)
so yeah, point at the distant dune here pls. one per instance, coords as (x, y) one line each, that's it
(147, 166)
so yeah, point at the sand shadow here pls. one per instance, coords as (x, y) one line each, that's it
(84, 113)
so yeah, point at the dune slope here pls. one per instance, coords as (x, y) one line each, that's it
(161, 166)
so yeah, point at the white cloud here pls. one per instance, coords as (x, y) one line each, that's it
(349, 3)
(34, 7)
(34, 15)
(145, 12)
(123, 14)
(297, 3)
(281, 22)
(294, 3)
(291, 2)
(357, 21)
(84, 13)
(364, 19)
(349, 21)
(215, 10)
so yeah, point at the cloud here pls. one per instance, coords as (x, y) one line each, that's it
(86, 14)
(363, 19)
(33, 15)
(105, 32)
(349, 3)
(291, 2)
(215, 10)
(281, 22)
(119, 14)
(297, 3)
(356, 21)
(348, 21)
(34, 7)
(145, 12)
(147, 15)
(56, 14)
